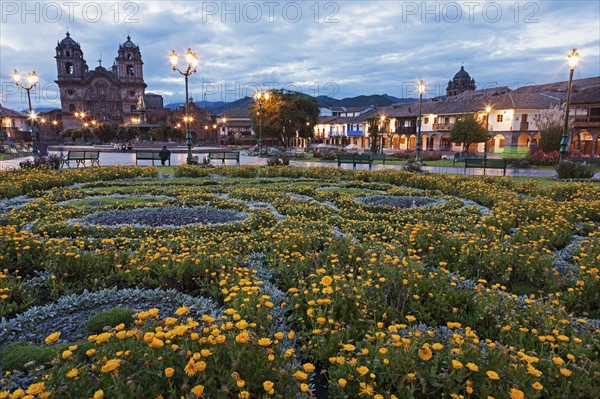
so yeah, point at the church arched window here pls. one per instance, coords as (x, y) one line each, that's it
(128, 56)
(130, 70)
(103, 105)
(132, 108)
(72, 108)
(68, 53)
(69, 69)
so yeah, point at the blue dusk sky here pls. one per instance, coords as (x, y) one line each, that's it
(337, 48)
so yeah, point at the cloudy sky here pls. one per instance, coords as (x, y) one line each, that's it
(337, 48)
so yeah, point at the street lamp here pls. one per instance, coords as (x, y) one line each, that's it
(191, 59)
(419, 136)
(260, 97)
(573, 60)
(488, 109)
(382, 131)
(32, 80)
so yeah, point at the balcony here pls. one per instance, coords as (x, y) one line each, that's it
(443, 127)
(524, 126)
(408, 130)
(355, 133)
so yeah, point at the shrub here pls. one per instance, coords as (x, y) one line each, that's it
(16, 356)
(111, 317)
(49, 162)
(575, 170)
(542, 158)
(283, 160)
(412, 166)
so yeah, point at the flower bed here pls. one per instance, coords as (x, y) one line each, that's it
(322, 285)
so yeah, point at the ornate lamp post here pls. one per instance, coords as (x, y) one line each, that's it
(382, 132)
(32, 80)
(191, 59)
(419, 135)
(573, 60)
(260, 97)
(488, 109)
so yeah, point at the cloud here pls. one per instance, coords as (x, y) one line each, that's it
(338, 48)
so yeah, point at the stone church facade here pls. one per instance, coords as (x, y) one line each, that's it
(105, 95)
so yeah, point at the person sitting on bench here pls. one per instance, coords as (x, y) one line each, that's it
(164, 155)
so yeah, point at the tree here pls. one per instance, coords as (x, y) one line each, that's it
(106, 132)
(374, 133)
(166, 132)
(286, 115)
(550, 122)
(467, 130)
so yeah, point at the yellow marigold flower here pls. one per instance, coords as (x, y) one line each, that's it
(244, 395)
(72, 373)
(200, 366)
(349, 347)
(326, 281)
(198, 391)
(516, 394)
(456, 364)
(537, 386)
(410, 318)
(437, 346)
(264, 342)
(300, 376)
(190, 368)
(208, 319)
(558, 361)
(169, 371)
(240, 383)
(308, 367)
(304, 387)
(66, 354)
(111, 365)
(242, 337)
(472, 367)
(342, 383)
(99, 394)
(425, 353)
(153, 312)
(36, 388)
(90, 352)
(268, 386)
(362, 370)
(182, 311)
(52, 338)
(565, 372)
(279, 336)
(157, 343)
(492, 375)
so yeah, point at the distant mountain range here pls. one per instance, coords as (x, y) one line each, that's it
(378, 100)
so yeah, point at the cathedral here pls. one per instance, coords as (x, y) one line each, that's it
(460, 83)
(105, 95)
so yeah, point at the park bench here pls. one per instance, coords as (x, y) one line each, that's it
(149, 156)
(355, 159)
(378, 157)
(224, 156)
(80, 157)
(461, 156)
(486, 164)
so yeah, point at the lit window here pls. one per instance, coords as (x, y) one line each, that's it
(130, 71)
(499, 118)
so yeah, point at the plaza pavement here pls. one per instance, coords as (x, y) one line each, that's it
(178, 157)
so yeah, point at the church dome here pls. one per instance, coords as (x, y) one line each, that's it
(462, 74)
(129, 43)
(68, 42)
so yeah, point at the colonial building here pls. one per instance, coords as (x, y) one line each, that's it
(105, 95)
(460, 83)
(15, 125)
(586, 126)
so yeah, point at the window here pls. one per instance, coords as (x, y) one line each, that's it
(69, 69)
(407, 123)
(103, 105)
(130, 71)
(70, 92)
(132, 93)
(71, 107)
(435, 120)
(132, 108)
(128, 56)
(68, 53)
(426, 120)
(499, 118)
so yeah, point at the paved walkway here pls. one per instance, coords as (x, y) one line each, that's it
(128, 158)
